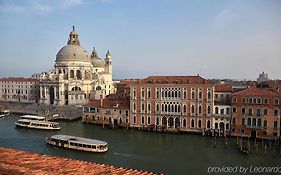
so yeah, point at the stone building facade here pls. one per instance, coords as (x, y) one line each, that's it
(256, 113)
(176, 103)
(77, 76)
(25, 90)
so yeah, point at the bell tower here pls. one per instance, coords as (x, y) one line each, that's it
(73, 38)
(108, 63)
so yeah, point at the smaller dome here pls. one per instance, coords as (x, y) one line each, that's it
(97, 62)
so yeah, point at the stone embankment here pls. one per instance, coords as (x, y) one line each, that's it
(51, 112)
(16, 162)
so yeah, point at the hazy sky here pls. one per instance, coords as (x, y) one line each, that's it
(214, 38)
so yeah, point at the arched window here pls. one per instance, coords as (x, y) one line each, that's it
(71, 74)
(254, 123)
(216, 110)
(209, 110)
(184, 123)
(199, 124)
(192, 95)
(142, 120)
(200, 109)
(78, 74)
(200, 95)
(157, 107)
(98, 88)
(259, 122)
(249, 122)
(157, 121)
(209, 95)
(163, 108)
(192, 109)
(208, 124)
(184, 94)
(148, 120)
(179, 108)
(184, 108)
(243, 121)
(192, 123)
(172, 108)
(134, 120)
(164, 121)
(227, 110)
(265, 123)
(134, 106)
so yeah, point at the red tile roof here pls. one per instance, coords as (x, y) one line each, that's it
(223, 88)
(175, 80)
(17, 79)
(22, 162)
(253, 91)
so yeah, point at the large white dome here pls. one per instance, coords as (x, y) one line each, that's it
(74, 53)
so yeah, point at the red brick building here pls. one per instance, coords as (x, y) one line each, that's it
(256, 113)
(173, 103)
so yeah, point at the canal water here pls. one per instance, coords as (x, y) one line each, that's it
(161, 153)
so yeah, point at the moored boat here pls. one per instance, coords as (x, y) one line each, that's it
(33, 117)
(35, 124)
(4, 113)
(78, 143)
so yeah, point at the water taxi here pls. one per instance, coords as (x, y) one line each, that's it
(4, 113)
(77, 143)
(36, 124)
(33, 117)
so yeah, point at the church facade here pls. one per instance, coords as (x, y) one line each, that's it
(77, 76)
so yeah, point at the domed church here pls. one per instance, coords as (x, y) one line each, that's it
(77, 76)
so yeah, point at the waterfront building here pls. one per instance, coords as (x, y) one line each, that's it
(256, 113)
(112, 111)
(222, 108)
(77, 76)
(171, 103)
(19, 90)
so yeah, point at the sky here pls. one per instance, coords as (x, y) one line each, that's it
(234, 39)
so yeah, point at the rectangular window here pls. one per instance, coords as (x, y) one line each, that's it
(265, 101)
(234, 100)
(265, 112)
(275, 112)
(250, 112)
(243, 100)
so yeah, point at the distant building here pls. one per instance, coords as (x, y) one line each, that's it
(77, 76)
(263, 80)
(222, 108)
(24, 90)
(256, 113)
(175, 103)
(113, 110)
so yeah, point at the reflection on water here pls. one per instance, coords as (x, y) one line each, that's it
(168, 153)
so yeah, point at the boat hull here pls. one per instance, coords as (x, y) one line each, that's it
(67, 145)
(35, 127)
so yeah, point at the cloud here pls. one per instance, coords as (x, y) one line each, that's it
(38, 6)
(11, 8)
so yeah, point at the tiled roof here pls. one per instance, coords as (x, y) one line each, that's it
(223, 88)
(17, 79)
(175, 80)
(22, 162)
(253, 91)
(110, 103)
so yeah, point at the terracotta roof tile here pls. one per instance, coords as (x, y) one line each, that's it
(18, 79)
(253, 91)
(223, 88)
(21, 162)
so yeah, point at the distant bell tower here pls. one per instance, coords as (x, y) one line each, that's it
(108, 63)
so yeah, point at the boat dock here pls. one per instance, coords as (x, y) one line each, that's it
(52, 113)
(22, 162)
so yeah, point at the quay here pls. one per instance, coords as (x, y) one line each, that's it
(16, 162)
(52, 113)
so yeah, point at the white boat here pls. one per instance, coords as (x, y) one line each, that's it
(4, 113)
(36, 124)
(77, 143)
(33, 117)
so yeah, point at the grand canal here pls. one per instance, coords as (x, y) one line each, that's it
(165, 153)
